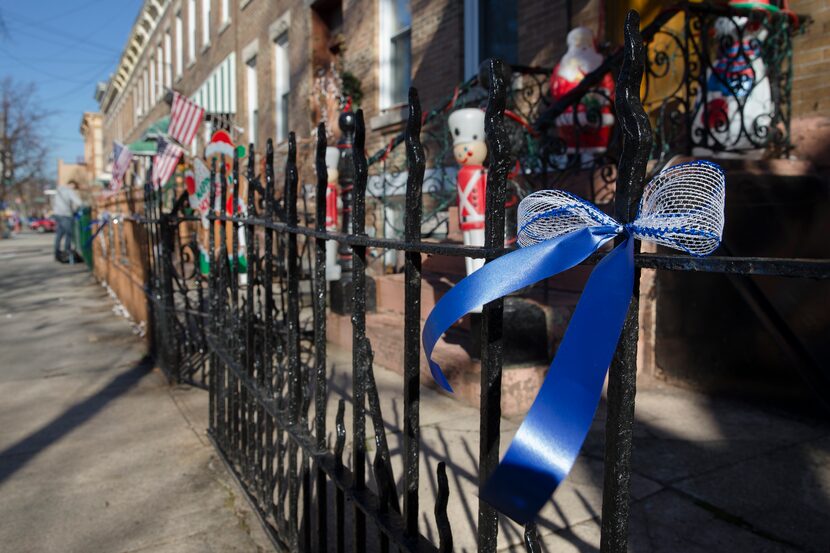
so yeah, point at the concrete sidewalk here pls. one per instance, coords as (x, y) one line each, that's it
(95, 453)
(710, 475)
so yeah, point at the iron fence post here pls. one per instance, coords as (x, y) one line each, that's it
(622, 376)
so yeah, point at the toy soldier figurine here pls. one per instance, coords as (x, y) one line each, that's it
(332, 159)
(470, 150)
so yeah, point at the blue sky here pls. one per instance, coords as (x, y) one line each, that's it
(64, 47)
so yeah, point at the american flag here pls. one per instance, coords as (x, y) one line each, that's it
(185, 117)
(165, 161)
(121, 158)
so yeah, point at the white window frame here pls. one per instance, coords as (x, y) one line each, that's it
(179, 44)
(191, 31)
(386, 15)
(226, 11)
(282, 85)
(252, 96)
(146, 92)
(205, 23)
(168, 59)
(472, 45)
(159, 72)
(152, 95)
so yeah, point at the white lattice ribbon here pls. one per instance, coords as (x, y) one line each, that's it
(682, 207)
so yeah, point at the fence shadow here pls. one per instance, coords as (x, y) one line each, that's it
(16, 456)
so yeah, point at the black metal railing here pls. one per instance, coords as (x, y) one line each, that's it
(263, 341)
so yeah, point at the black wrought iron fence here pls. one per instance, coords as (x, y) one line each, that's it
(260, 343)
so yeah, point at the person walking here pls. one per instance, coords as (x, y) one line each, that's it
(64, 205)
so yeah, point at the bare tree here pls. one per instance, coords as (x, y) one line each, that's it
(22, 143)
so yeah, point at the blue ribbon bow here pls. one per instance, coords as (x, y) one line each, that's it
(682, 207)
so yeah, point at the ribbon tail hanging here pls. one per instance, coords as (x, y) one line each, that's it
(550, 437)
(507, 274)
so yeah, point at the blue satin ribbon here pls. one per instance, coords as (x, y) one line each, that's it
(682, 207)
(548, 441)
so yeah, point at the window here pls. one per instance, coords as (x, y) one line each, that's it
(205, 23)
(395, 53)
(191, 30)
(226, 11)
(491, 30)
(179, 42)
(282, 85)
(145, 94)
(168, 60)
(152, 94)
(253, 102)
(159, 72)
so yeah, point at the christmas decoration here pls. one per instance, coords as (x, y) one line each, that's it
(333, 269)
(585, 127)
(470, 150)
(738, 98)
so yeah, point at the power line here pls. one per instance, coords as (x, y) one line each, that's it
(74, 10)
(52, 31)
(98, 69)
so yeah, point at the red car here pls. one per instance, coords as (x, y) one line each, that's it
(43, 225)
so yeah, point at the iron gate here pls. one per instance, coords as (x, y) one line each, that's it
(261, 347)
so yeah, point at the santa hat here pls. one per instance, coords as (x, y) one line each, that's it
(466, 125)
(220, 144)
(332, 158)
(754, 5)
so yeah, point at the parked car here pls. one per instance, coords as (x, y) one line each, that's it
(42, 225)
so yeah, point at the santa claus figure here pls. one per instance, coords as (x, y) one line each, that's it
(586, 127)
(470, 150)
(738, 102)
(333, 269)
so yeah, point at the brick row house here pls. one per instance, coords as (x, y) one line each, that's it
(261, 69)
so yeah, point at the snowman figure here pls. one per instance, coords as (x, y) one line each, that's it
(738, 101)
(333, 269)
(470, 151)
(586, 127)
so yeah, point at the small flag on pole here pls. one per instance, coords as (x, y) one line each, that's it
(185, 117)
(165, 161)
(121, 158)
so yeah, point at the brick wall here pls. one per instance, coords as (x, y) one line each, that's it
(811, 58)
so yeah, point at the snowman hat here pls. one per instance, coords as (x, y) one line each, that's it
(220, 144)
(466, 125)
(332, 158)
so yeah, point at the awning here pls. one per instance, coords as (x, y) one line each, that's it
(217, 94)
(158, 129)
(143, 148)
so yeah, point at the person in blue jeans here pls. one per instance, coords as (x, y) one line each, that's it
(65, 203)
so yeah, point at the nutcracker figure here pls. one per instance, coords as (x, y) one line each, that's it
(470, 150)
(586, 127)
(333, 269)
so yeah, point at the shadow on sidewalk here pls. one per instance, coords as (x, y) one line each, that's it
(16, 456)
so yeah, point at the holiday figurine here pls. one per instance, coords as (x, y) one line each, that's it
(585, 127)
(221, 148)
(470, 150)
(197, 181)
(333, 269)
(738, 96)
